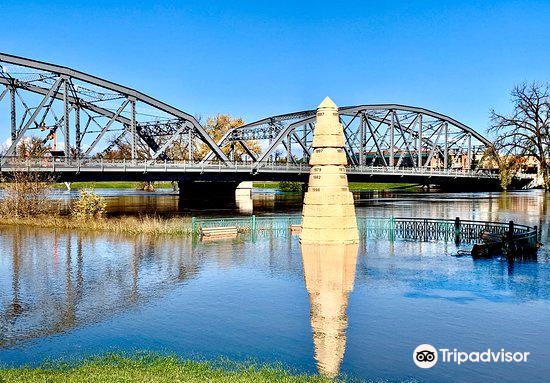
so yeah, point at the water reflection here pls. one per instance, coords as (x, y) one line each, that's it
(60, 281)
(329, 273)
(74, 294)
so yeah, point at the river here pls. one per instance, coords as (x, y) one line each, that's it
(71, 294)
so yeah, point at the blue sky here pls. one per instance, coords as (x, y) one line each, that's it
(257, 58)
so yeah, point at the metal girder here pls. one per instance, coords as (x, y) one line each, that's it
(220, 144)
(31, 120)
(94, 108)
(133, 130)
(248, 151)
(353, 109)
(4, 92)
(432, 152)
(174, 136)
(382, 156)
(302, 144)
(106, 127)
(279, 138)
(123, 91)
(403, 137)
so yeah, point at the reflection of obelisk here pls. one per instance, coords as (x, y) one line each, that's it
(329, 272)
(328, 214)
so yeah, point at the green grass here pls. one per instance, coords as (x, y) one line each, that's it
(356, 186)
(152, 369)
(266, 185)
(368, 186)
(111, 185)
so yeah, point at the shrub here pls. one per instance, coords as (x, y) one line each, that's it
(146, 186)
(26, 194)
(288, 186)
(89, 205)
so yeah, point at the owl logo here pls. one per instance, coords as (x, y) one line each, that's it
(425, 356)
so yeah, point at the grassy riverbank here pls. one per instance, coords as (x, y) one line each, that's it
(355, 186)
(111, 185)
(152, 369)
(123, 225)
(380, 186)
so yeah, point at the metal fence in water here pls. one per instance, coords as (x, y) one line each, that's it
(276, 225)
(418, 229)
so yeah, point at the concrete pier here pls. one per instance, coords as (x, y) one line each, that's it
(243, 197)
(207, 194)
(216, 194)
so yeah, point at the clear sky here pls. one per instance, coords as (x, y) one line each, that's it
(258, 58)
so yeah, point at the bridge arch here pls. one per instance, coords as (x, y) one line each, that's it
(53, 98)
(387, 135)
(93, 114)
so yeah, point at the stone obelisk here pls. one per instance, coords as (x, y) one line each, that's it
(328, 214)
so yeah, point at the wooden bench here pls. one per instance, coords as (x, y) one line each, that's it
(218, 232)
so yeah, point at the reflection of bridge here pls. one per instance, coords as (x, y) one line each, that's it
(92, 116)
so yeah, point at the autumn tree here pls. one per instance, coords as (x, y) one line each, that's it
(179, 149)
(217, 127)
(32, 147)
(120, 149)
(525, 131)
(508, 166)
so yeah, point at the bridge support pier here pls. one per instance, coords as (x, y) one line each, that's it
(207, 194)
(243, 197)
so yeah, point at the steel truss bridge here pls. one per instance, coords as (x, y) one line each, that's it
(91, 116)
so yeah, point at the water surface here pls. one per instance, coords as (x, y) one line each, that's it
(67, 295)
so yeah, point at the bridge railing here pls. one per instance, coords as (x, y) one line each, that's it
(407, 228)
(50, 164)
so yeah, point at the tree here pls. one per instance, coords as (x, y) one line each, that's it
(122, 149)
(526, 131)
(507, 166)
(216, 127)
(32, 147)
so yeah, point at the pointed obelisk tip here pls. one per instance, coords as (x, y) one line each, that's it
(327, 103)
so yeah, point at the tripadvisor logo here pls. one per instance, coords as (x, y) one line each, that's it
(426, 356)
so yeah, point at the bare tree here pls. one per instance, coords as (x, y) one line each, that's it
(526, 131)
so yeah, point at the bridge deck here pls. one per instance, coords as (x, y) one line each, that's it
(110, 170)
